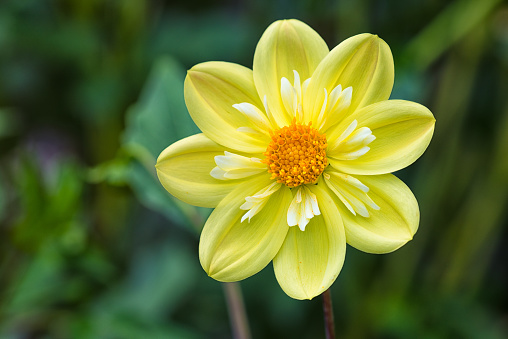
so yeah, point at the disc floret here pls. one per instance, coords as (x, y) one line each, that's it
(296, 154)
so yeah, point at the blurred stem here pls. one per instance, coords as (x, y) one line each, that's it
(328, 314)
(236, 309)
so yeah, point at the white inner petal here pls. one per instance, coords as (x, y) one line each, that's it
(256, 202)
(267, 110)
(334, 107)
(344, 135)
(334, 96)
(351, 191)
(234, 166)
(248, 130)
(352, 143)
(292, 95)
(289, 97)
(258, 119)
(304, 87)
(297, 86)
(321, 117)
(303, 208)
(353, 155)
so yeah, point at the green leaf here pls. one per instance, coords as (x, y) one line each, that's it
(49, 201)
(452, 24)
(160, 278)
(160, 116)
(36, 284)
(157, 120)
(151, 193)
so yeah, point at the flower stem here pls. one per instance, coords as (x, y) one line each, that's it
(328, 314)
(236, 309)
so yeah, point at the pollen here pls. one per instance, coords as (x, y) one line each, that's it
(296, 154)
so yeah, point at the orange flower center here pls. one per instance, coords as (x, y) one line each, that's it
(296, 155)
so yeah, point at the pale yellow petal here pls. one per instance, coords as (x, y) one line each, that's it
(231, 250)
(388, 228)
(350, 191)
(363, 62)
(184, 170)
(403, 130)
(285, 46)
(310, 261)
(211, 90)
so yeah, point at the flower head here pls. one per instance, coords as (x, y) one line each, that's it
(308, 138)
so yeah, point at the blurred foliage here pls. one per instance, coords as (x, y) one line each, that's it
(92, 246)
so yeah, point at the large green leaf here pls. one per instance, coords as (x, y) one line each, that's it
(160, 278)
(158, 119)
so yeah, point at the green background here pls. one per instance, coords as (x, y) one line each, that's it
(91, 245)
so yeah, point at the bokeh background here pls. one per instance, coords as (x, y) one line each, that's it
(91, 246)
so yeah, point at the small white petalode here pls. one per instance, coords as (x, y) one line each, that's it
(261, 123)
(351, 191)
(292, 95)
(234, 166)
(258, 119)
(349, 145)
(334, 105)
(303, 208)
(352, 143)
(255, 203)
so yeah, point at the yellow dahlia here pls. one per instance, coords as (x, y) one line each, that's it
(307, 138)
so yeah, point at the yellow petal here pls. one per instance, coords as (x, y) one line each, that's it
(184, 170)
(363, 62)
(231, 250)
(388, 228)
(403, 130)
(211, 90)
(310, 261)
(285, 46)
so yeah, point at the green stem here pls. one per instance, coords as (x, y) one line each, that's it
(328, 315)
(236, 309)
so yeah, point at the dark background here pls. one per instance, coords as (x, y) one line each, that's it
(91, 246)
